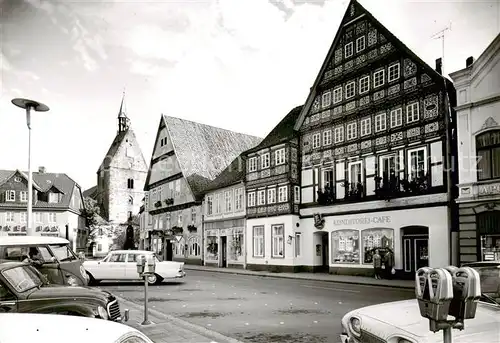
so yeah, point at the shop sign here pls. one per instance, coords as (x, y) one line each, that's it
(363, 221)
(490, 189)
(319, 222)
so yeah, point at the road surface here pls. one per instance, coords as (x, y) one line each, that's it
(258, 309)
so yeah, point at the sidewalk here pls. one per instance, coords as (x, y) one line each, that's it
(168, 329)
(358, 280)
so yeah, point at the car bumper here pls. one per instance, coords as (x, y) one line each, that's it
(180, 275)
(344, 338)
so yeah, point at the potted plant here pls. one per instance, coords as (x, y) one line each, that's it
(177, 230)
(191, 228)
(169, 201)
(158, 204)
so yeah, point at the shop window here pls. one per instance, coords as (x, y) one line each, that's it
(488, 155)
(345, 246)
(237, 245)
(212, 248)
(373, 239)
(278, 240)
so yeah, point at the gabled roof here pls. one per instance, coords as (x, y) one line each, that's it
(233, 174)
(46, 181)
(203, 151)
(113, 149)
(6, 175)
(90, 193)
(281, 132)
(358, 10)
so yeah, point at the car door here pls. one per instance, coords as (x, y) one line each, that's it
(114, 267)
(131, 267)
(8, 300)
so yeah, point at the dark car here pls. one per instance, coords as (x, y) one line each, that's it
(24, 290)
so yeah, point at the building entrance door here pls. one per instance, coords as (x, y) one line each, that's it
(223, 251)
(415, 249)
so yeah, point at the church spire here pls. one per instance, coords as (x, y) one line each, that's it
(123, 121)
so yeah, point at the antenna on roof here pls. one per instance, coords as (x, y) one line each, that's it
(441, 35)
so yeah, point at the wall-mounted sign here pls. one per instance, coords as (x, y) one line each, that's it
(490, 189)
(363, 221)
(319, 222)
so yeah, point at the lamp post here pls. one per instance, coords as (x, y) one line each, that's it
(29, 105)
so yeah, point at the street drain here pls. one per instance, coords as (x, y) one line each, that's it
(231, 298)
(204, 314)
(301, 311)
(158, 300)
(281, 338)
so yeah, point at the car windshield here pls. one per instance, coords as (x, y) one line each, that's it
(490, 282)
(63, 252)
(22, 278)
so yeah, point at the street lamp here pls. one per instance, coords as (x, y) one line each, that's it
(29, 105)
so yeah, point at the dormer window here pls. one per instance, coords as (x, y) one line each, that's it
(10, 196)
(53, 198)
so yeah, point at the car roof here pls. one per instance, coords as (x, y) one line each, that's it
(41, 328)
(131, 252)
(31, 240)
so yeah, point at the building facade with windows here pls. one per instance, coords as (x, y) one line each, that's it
(478, 112)
(273, 235)
(224, 218)
(376, 133)
(57, 206)
(121, 175)
(187, 156)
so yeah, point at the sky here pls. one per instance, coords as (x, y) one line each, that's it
(236, 64)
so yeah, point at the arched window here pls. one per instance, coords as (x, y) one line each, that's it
(130, 183)
(488, 155)
(194, 246)
(130, 200)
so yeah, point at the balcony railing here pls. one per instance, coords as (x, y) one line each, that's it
(354, 190)
(326, 196)
(394, 187)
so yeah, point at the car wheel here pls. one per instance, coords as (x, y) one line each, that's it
(92, 281)
(154, 279)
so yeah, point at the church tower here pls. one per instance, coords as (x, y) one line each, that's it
(122, 174)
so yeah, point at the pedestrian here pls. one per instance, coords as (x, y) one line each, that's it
(389, 264)
(377, 264)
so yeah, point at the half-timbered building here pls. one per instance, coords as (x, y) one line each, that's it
(273, 195)
(376, 131)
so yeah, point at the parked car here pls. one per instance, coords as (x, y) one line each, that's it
(122, 265)
(401, 322)
(52, 256)
(44, 328)
(24, 290)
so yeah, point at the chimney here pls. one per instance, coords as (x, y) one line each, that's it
(439, 65)
(469, 61)
(41, 170)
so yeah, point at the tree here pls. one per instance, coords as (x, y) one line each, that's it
(97, 225)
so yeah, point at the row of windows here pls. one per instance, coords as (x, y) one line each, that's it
(268, 196)
(232, 199)
(349, 89)
(416, 161)
(51, 217)
(265, 160)
(380, 120)
(11, 196)
(277, 241)
(167, 191)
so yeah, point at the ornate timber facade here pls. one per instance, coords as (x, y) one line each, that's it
(375, 134)
(273, 197)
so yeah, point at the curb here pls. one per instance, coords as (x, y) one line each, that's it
(211, 334)
(278, 276)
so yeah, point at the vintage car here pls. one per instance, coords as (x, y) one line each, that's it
(52, 256)
(24, 290)
(61, 329)
(122, 265)
(401, 322)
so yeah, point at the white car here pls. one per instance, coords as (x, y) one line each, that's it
(401, 322)
(122, 265)
(45, 328)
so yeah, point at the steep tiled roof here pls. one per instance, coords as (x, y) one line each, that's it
(203, 151)
(90, 193)
(62, 182)
(233, 174)
(281, 132)
(113, 149)
(5, 175)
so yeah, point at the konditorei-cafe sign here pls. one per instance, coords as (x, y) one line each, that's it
(368, 220)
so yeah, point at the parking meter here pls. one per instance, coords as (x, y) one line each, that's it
(141, 262)
(150, 265)
(467, 291)
(434, 290)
